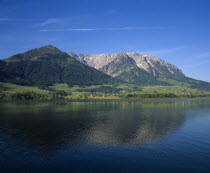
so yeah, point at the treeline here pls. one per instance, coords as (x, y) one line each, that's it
(198, 84)
(134, 95)
(102, 89)
(2, 88)
(161, 95)
(30, 95)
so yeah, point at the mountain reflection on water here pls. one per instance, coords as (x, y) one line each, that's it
(64, 133)
(60, 124)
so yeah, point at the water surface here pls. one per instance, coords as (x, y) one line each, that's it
(112, 136)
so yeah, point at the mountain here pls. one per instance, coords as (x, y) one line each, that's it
(131, 67)
(156, 66)
(153, 65)
(139, 69)
(124, 68)
(48, 65)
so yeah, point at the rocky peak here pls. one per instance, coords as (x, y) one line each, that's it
(94, 60)
(122, 53)
(156, 66)
(133, 54)
(123, 57)
(151, 64)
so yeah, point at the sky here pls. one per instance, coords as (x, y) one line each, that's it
(177, 31)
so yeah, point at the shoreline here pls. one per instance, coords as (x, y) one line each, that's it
(111, 100)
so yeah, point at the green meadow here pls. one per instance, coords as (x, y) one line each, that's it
(65, 91)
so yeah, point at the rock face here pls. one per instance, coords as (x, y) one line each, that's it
(94, 60)
(121, 60)
(155, 66)
(151, 64)
(124, 68)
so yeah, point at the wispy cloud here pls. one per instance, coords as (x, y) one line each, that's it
(166, 51)
(5, 19)
(17, 20)
(101, 29)
(51, 21)
(59, 30)
(42, 22)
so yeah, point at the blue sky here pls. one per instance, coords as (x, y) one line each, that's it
(175, 30)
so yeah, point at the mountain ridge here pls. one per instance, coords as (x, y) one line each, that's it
(155, 66)
(124, 68)
(48, 65)
(151, 64)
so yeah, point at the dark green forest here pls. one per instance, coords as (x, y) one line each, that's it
(47, 66)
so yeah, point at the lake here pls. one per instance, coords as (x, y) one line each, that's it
(159, 135)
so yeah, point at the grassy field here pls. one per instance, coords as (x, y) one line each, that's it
(129, 88)
(104, 91)
(12, 88)
(174, 82)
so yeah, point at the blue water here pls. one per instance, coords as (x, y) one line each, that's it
(127, 136)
